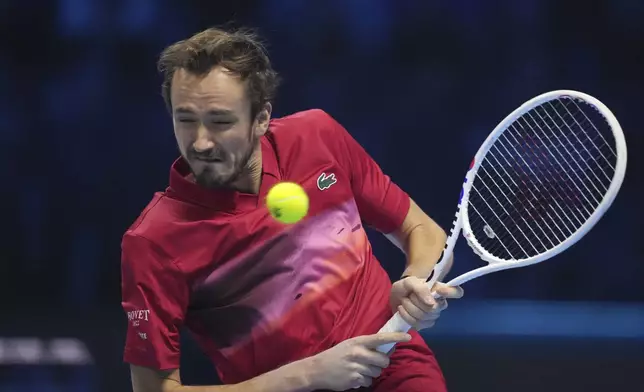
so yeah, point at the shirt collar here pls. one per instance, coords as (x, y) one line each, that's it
(185, 188)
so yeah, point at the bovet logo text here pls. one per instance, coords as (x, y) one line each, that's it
(136, 316)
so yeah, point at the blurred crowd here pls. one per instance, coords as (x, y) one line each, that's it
(85, 139)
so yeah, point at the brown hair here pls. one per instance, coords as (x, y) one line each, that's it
(240, 51)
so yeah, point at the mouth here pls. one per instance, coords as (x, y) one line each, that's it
(209, 160)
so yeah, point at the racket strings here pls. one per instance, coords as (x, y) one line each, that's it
(559, 194)
(501, 242)
(508, 194)
(531, 195)
(558, 145)
(585, 133)
(521, 191)
(522, 194)
(539, 226)
(554, 186)
(506, 205)
(542, 179)
(546, 230)
(534, 232)
(560, 182)
(570, 143)
(582, 123)
(518, 241)
(577, 155)
(605, 144)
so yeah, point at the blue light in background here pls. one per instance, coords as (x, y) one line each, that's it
(541, 319)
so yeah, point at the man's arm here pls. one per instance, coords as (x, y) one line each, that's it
(288, 378)
(350, 364)
(386, 207)
(423, 241)
(155, 298)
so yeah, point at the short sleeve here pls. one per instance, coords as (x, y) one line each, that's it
(154, 298)
(382, 204)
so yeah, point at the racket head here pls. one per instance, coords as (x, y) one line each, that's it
(570, 233)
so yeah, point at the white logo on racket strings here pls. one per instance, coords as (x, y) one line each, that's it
(489, 232)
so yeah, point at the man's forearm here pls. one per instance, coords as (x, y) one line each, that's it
(424, 245)
(288, 378)
(422, 240)
(294, 377)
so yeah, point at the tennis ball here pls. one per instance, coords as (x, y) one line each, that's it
(287, 202)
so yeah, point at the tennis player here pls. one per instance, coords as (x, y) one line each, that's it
(276, 307)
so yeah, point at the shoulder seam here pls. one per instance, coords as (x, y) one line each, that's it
(158, 248)
(144, 215)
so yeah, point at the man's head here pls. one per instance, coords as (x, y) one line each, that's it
(218, 86)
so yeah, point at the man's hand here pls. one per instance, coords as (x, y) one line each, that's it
(413, 299)
(351, 364)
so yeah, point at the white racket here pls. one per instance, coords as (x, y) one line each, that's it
(537, 185)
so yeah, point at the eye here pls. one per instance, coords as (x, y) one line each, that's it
(222, 122)
(186, 120)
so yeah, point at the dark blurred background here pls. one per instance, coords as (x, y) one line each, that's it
(85, 140)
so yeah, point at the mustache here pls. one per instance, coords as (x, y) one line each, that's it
(211, 155)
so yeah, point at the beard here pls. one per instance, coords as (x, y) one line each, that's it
(223, 174)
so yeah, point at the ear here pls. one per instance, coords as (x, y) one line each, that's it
(263, 119)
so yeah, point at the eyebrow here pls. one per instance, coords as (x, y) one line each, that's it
(212, 112)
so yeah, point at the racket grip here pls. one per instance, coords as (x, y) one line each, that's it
(395, 324)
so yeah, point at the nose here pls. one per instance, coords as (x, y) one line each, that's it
(203, 141)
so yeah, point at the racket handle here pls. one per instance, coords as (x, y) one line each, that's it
(395, 324)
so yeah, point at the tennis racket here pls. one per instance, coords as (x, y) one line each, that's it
(537, 185)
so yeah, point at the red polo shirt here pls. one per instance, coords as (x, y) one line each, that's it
(256, 293)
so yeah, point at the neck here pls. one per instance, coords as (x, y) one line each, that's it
(250, 180)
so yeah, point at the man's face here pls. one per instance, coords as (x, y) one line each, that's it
(213, 125)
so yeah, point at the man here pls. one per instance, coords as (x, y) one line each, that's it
(277, 308)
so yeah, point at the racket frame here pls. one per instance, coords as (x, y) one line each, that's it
(497, 264)
(461, 222)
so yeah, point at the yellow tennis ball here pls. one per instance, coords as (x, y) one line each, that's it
(287, 202)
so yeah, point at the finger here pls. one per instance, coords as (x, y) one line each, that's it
(426, 324)
(446, 291)
(434, 313)
(407, 317)
(413, 297)
(420, 288)
(366, 381)
(370, 371)
(359, 381)
(413, 310)
(377, 340)
(431, 316)
(366, 357)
